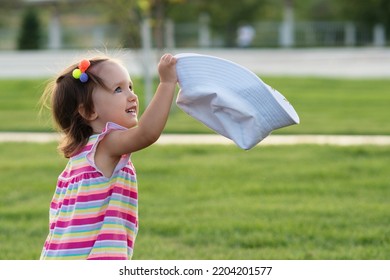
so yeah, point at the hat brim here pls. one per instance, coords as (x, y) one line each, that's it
(230, 99)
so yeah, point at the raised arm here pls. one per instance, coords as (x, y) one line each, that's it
(153, 120)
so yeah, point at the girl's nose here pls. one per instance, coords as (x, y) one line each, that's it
(132, 96)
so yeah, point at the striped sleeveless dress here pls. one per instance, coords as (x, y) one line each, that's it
(91, 216)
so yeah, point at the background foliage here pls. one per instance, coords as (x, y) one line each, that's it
(30, 34)
(225, 16)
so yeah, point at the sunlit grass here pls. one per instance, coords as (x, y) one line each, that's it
(219, 202)
(325, 106)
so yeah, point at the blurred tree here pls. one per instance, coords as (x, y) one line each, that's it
(226, 16)
(318, 10)
(5, 7)
(7, 4)
(30, 32)
(369, 11)
(128, 15)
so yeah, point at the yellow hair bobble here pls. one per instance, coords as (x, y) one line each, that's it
(79, 73)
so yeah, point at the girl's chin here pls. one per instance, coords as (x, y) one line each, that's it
(133, 123)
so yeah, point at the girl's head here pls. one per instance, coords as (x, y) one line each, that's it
(80, 108)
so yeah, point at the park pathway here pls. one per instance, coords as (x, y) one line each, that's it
(321, 62)
(214, 139)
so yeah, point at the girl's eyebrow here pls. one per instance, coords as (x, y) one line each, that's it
(122, 82)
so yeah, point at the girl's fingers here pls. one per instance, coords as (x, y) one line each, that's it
(168, 58)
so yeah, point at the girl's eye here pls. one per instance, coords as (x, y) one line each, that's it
(131, 87)
(118, 90)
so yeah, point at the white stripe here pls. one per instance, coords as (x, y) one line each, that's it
(214, 139)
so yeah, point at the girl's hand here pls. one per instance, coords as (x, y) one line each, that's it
(167, 69)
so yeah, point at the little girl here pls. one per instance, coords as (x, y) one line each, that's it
(94, 210)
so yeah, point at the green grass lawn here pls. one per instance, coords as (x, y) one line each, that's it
(219, 202)
(325, 106)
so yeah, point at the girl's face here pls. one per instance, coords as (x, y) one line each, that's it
(119, 104)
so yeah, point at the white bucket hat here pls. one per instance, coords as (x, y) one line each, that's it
(230, 99)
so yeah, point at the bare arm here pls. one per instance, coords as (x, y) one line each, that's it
(153, 120)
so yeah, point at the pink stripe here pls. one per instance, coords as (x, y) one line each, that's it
(93, 220)
(103, 195)
(68, 202)
(128, 170)
(92, 173)
(93, 197)
(89, 198)
(119, 213)
(53, 205)
(88, 168)
(65, 183)
(130, 243)
(108, 235)
(125, 216)
(111, 236)
(71, 245)
(86, 148)
(123, 190)
(79, 170)
(78, 222)
(107, 258)
(88, 243)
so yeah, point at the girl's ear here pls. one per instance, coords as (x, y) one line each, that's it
(89, 117)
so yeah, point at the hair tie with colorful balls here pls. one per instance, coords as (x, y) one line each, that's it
(79, 73)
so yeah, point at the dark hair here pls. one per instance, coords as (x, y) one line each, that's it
(65, 95)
